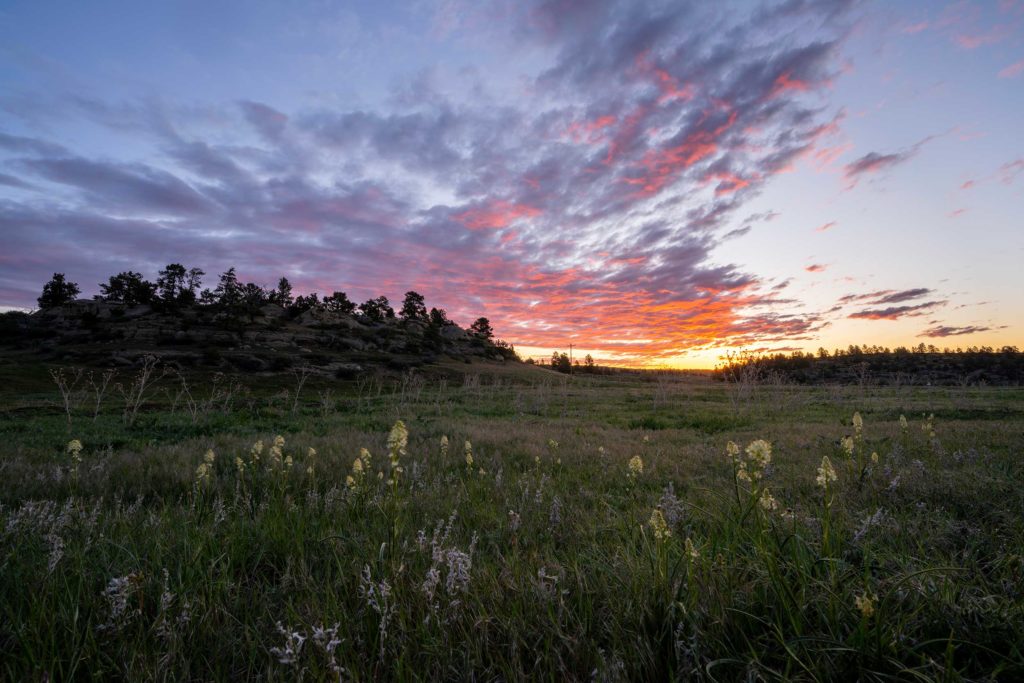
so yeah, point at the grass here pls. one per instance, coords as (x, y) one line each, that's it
(540, 560)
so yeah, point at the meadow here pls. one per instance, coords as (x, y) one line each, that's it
(504, 522)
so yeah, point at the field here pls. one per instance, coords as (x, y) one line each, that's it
(505, 523)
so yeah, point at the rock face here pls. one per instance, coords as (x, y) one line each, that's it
(268, 339)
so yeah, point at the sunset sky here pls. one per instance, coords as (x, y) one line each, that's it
(653, 182)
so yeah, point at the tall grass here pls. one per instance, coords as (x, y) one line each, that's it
(550, 556)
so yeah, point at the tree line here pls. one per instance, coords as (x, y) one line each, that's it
(177, 286)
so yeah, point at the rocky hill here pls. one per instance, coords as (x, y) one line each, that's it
(270, 338)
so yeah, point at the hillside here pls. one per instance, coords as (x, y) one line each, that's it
(270, 338)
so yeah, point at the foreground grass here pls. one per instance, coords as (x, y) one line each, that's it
(548, 557)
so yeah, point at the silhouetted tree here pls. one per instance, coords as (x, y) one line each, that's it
(481, 328)
(253, 298)
(282, 296)
(303, 304)
(57, 291)
(439, 318)
(376, 310)
(229, 291)
(128, 288)
(178, 285)
(413, 307)
(560, 362)
(588, 362)
(339, 304)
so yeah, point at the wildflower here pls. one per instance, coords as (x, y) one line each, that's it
(482, 472)
(760, 451)
(279, 441)
(826, 473)
(209, 457)
(364, 455)
(732, 451)
(636, 467)
(767, 501)
(256, 451)
(75, 449)
(357, 466)
(690, 549)
(847, 445)
(311, 453)
(646, 438)
(468, 448)
(288, 462)
(552, 444)
(741, 472)
(513, 521)
(288, 654)
(865, 602)
(203, 473)
(929, 426)
(275, 451)
(444, 446)
(398, 439)
(240, 465)
(874, 457)
(858, 425)
(350, 482)
(659, 526)
(903, 423)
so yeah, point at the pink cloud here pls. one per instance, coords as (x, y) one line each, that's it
(1012, 71)
(816, 268)
(826, 226)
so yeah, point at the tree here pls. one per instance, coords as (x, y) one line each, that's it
(303, 304)
(588, 361)
(253, 297)
(171, 282)
(560, 362)
(57, 292)
(439, 318)
(229, 291)
(376, 310)
(413, 307)
(178, 285)
(339, 304)
(481, 328)
(128, 288)
(282, 296)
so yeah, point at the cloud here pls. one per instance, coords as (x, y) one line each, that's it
(1013, 70)
(826, 226)
(816, 268)
(951, 331)
(134, 186)
(895, 312)
(875, 162)
(593, 197)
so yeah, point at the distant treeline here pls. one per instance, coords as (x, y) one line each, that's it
(177, 286)
(921, 364)
(235, 302)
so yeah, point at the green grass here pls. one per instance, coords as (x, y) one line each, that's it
(544, 565)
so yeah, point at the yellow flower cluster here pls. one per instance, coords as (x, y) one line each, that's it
(847, 445)
(903, 422)
(444, 446)
(929, 426)
(659, 526)
(636, 467)
(398, 439)
(359, 467)
(826, 473)
(865, 602)
(74, 449)
(468, 449)
(858, 425)
(205, 468)
(751, 468)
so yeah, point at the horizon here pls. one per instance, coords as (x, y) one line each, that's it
(655, 183)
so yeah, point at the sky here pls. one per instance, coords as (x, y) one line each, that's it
(655, 183)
